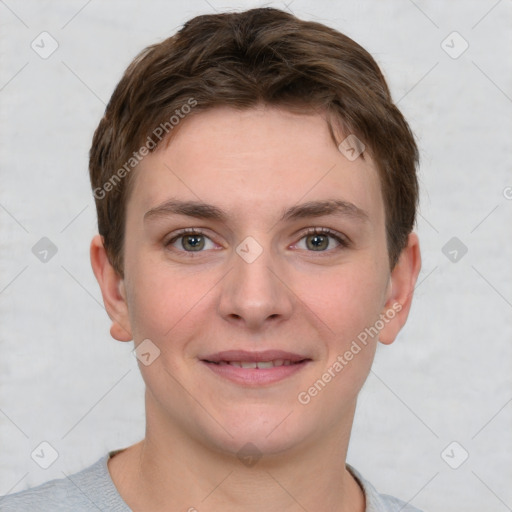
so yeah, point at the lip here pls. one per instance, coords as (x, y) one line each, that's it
(244, 355)
(252, 377)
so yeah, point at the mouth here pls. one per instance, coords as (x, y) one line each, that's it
(255, 368)
(258, 364)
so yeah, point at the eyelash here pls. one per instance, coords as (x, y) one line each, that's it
(341, 239)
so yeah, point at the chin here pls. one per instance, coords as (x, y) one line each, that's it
(264, 433)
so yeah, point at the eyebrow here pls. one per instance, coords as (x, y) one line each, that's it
(201, 210)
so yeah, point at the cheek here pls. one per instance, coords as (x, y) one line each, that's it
(346, 301)
(162, 303)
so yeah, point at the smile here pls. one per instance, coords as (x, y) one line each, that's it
(256, 373)
(257, 364)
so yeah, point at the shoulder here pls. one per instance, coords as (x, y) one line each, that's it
(89, 489)
(376, 502)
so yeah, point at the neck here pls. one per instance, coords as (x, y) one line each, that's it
(170, 471)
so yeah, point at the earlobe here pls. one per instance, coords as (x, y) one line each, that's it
(402, 283)
(112, 290)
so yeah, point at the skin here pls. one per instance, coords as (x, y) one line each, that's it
(253, 164)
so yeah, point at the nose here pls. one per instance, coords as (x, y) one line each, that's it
(256, 294)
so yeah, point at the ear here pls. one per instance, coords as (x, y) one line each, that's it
(112, 290)
(400, 290)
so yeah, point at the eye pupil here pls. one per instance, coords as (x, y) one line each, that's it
(193, 242)
(317, 242)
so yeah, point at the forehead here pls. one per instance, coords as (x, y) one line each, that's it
(253, 162)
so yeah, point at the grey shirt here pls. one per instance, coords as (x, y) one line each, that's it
(92, 490)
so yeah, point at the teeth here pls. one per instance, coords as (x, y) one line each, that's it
(265, 364)
(259, 364)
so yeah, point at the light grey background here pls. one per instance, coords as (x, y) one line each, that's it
(448, 376)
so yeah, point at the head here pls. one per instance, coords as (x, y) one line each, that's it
(253, 128)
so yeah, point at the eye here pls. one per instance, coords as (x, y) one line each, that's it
(320, 240)
(190, 240)
(316, 239)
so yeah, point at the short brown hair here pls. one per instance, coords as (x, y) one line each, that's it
(243, 59)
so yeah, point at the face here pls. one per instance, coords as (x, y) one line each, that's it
(251, 240)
